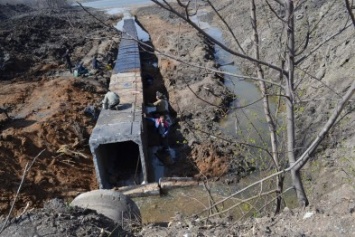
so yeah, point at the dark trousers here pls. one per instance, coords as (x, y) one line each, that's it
(164, 142)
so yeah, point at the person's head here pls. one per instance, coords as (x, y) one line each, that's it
(162, 118)
(158, 95)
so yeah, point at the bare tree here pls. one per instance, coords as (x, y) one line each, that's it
(294, 50)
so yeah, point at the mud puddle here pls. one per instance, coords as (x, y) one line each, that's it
(199, 200)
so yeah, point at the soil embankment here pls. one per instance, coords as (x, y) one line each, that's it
(45, 103)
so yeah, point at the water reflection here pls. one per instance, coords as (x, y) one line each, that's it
(194, 200)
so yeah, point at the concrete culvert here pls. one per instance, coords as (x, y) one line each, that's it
(120, 164)
(110, 203)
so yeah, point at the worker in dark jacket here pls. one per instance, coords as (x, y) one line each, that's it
(161, 105)
(66, 56)
(95, 63)
(162, 128)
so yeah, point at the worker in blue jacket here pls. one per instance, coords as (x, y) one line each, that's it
(162, 128)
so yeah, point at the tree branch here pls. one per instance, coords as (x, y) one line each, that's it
(206, 68)
(321, 44)
(306, 40)
(224, 47)
(227, 25)
(302, 160)
(98, 19)
(349, 7)
(273, 11)
(239, 203)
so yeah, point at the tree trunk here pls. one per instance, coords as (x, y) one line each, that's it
(266, 107)
(295, 174)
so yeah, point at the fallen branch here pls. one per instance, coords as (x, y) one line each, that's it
(64, 149)
(239, 203)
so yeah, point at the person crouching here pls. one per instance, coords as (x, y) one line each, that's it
(111, 101)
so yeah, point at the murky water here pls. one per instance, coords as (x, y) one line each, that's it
(196, 199)
(184, 201)
(248, 122)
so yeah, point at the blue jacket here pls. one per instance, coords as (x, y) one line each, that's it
(163, 128)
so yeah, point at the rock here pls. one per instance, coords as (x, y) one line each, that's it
(110, 203)
(308, 215)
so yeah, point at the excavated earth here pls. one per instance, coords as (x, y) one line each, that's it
(45, 107)
(45, 103)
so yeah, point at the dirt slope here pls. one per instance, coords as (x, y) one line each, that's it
(46, 103)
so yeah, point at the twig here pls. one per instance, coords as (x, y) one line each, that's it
(272, 200)
(210, 196)
(243, 201)
(226, 25)
(224, 47)
(25, 209)
(348, 7)
(68, 161)
(321, 44)
(27, 168)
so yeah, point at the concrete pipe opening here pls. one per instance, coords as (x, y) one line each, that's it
(120, 164)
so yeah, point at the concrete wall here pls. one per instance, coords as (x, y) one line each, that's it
(125, 124)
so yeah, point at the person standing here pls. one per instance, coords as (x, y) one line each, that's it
(95, 63)
(66, 56)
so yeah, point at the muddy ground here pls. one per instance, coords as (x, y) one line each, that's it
(45, 104)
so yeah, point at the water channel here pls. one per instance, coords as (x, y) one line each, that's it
(248, 122)
(189, 201)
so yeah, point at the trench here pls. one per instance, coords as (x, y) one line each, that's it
(247, 123)
(161, 208)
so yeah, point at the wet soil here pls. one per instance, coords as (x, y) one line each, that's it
(57, 219)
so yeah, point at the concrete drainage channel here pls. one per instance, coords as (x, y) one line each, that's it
(118, 142)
